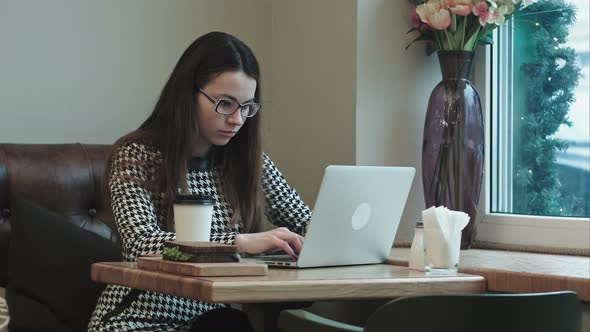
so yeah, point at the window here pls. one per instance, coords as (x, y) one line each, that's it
(537, 188)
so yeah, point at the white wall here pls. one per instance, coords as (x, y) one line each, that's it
(345, 91)
(90, 71)
(311, 124)
(393, 87)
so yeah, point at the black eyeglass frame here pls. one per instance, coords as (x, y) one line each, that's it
(216, 101)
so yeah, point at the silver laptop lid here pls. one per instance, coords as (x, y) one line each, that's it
(356, 215)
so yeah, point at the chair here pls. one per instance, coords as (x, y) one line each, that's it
(538, 312)
(55, 221)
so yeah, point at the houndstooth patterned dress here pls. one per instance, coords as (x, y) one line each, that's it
(139, 215)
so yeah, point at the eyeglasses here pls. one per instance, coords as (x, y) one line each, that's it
(227, 106)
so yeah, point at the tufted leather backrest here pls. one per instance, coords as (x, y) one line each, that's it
(64, 178)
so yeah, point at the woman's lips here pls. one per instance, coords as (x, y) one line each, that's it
(227, 133)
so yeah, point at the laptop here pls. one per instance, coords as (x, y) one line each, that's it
(355, 218)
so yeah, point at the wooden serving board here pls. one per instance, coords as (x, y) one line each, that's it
(156, 263)
(190, 247)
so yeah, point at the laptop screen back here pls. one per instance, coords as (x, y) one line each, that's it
(356, 215)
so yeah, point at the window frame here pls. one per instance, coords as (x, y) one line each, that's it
(528, 230)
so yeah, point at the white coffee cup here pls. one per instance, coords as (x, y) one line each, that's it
(193, 215)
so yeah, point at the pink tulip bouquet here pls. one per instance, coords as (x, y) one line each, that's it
(460, 25)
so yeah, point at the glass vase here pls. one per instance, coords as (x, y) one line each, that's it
(453, 144)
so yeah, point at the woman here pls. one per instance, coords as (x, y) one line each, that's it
(203, 137)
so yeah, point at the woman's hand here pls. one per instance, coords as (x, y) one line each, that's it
(270, 241)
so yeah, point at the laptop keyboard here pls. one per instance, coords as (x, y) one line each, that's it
(276, 258)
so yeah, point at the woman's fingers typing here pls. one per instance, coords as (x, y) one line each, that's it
(279, 238)
(293, 240)
(284, 245)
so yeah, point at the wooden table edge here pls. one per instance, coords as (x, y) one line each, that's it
(339, 290)
(240, 291)
(183, 286)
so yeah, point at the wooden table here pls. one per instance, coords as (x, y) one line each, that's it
(291, 288)
(279, 285)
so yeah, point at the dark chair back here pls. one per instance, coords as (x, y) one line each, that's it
(540, 312)
(64, 178)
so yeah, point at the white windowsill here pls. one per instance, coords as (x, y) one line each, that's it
(535, 231)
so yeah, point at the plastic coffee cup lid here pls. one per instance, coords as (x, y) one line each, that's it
(193, 199)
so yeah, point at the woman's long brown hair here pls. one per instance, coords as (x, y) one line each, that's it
(172, 128)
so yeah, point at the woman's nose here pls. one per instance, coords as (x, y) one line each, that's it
(236, 118)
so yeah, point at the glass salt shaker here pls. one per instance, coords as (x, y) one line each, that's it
(417, 249)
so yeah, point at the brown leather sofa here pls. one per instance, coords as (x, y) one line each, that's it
(54, 222)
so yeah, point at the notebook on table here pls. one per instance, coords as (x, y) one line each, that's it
(355, 218)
